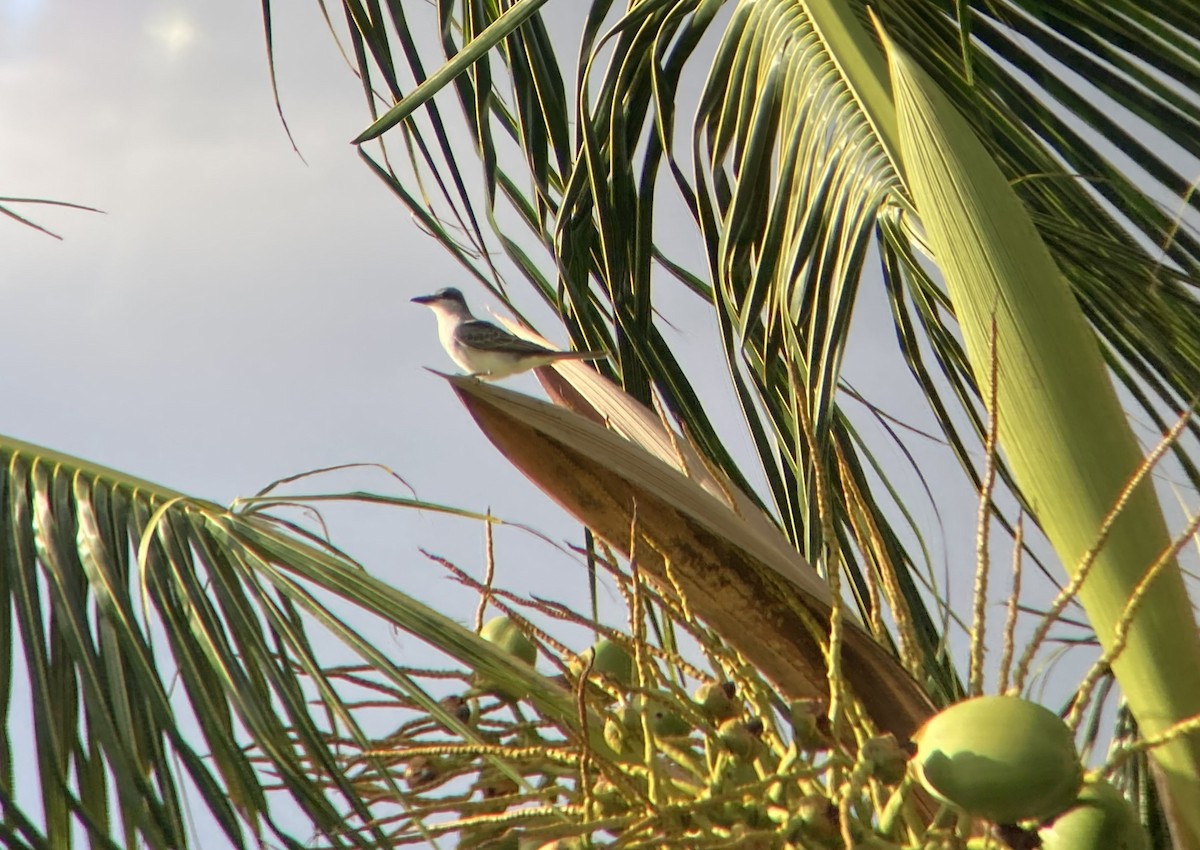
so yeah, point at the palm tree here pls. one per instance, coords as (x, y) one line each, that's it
(954, 133)
(1024, 269)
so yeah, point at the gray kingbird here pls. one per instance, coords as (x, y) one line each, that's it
(485, 350)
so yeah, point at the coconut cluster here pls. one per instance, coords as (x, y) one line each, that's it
(658, 750)
(1010, 761)
(662, 751)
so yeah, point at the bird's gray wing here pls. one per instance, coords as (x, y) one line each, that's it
(485, 336)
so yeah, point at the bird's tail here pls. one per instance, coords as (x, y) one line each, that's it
(580, 355)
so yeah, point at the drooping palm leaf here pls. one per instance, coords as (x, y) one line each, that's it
(172, 651)
(730, 570)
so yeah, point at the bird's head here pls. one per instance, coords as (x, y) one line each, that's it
(448, 301)
(443, 296)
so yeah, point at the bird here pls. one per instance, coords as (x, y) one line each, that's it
(487, 351)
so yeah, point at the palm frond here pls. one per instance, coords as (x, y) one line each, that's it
(6, 210)
(792, 175)
(170, 654)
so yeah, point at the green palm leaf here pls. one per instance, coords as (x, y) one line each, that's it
(794, 175)
(143, 614)
(1060, 420)
(796, 178)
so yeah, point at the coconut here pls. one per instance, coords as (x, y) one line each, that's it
(608, 659)
(423, 772)
(1001, 758)
(809, 724)
(740, 739)
(1101, 819)
(888, 761)
(505, 634)
(716, 699)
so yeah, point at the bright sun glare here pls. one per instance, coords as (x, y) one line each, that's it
(173, 31)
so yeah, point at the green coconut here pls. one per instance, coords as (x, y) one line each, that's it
(664, 721)
(459, 707)
(493, 782)
(888, 760)
(667, 723)
(609, 659)
(424, 772)
(1001, 758)
(814, 821)
(623, 727)
(731, 773)
(620, 735)
(716, 700)
(1100, 819)
(505, 634)
(808, 718)
(740, 739)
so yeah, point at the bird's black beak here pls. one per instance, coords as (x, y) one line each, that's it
(424, 299)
